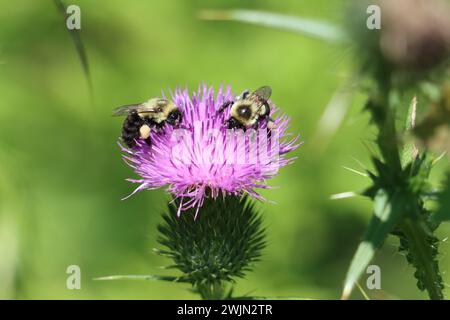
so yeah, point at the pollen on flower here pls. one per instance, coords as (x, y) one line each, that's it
(201, 158)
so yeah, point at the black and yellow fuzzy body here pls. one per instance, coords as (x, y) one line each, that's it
(249, 109)
(141, 118)
(135, 127)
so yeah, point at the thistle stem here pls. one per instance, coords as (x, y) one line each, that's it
(387, 141)
(385, 120)
(383, 113)
(422, 253)
(214, 291)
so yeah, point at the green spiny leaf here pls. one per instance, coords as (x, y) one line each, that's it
(388, 209)
(420, 247)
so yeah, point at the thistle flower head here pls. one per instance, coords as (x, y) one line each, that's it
(201, 158)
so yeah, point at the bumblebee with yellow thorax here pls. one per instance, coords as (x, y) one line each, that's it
(141, 118)
(249, 109)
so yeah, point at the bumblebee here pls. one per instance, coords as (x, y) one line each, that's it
(249, 109)
(141, 118)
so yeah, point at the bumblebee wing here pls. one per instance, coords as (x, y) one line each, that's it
(263, 93)
(150, 106)
(125, 110)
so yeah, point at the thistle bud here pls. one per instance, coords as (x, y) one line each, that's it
(216, 249)
(415, 33)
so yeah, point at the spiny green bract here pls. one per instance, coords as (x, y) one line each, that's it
(220, 245)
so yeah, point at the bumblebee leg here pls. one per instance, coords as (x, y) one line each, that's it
(244, 94)
(159, 126)
(145, 132)
(128, 139)
(268, 120)
(225, 105)
(154, 125)
(234, 124)
(267, 111)
(270, 124)
(269, 133)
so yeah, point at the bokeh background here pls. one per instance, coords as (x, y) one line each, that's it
(62, 176)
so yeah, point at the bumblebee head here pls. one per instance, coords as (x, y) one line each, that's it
(174, 117)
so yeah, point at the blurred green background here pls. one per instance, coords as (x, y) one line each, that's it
(62, 176)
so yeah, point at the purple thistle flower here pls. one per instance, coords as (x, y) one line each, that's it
(202, 158)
